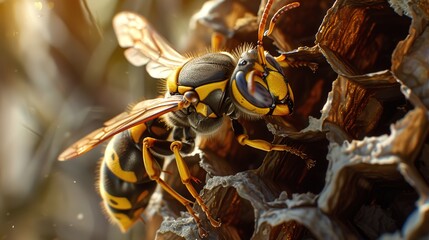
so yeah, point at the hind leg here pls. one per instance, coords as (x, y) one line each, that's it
(154, 171)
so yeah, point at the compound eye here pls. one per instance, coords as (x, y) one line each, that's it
(242, 62)
(261, 98)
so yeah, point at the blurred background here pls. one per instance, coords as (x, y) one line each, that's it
(62, 75)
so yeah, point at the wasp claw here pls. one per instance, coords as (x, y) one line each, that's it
(266, 33)
(216, 223)
(202, 232)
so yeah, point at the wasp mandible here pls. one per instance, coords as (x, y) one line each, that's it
(201, 91)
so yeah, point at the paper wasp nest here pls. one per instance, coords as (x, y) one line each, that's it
(361, 116)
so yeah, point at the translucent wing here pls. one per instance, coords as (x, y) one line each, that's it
(145, 46)
(142, 112)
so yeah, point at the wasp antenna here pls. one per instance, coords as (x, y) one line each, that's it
(263, 21)
(261, 30)
(278, 14)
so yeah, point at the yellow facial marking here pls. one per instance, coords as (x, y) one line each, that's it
(281, 110)
(258, 67)
(111, 159)
(277, 85)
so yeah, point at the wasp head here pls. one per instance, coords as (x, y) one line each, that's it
(259, 86)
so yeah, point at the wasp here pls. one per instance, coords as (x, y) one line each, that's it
(201, 92)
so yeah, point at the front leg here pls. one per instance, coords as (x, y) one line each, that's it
(284, 61)
(263, 145)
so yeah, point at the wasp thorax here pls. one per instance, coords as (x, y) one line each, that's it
(260, 87)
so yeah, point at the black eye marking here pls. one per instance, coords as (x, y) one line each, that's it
(242, 62)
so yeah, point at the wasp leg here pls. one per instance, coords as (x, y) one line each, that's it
(243, 139)
(284, 61)
(153, 170)
(218, 41)
(186, 177)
